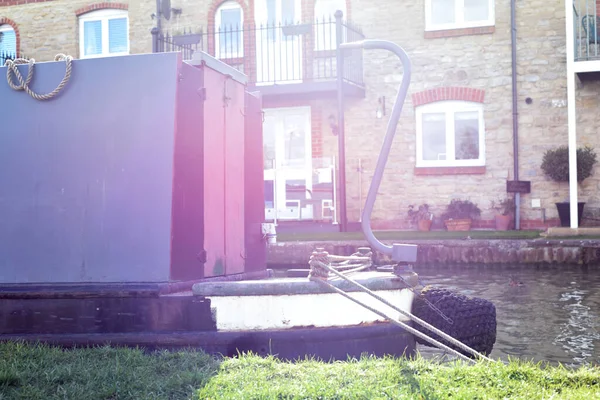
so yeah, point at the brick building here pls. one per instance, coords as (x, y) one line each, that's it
(455, 136)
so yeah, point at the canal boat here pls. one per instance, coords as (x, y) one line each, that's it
(145, 227)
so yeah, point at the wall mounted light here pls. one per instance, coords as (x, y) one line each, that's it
(380, 107)
(333, 124)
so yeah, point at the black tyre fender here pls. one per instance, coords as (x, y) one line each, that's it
(474, 319)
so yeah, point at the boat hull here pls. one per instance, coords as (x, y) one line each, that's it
(327, 344)
(288, 318)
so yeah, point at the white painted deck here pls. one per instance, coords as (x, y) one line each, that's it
(304, 310)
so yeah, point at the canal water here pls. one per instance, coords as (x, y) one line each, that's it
(543, 314)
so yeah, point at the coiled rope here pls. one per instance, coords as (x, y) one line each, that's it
(12, 72)
(320, 267)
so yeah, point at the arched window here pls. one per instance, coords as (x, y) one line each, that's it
(8, 43)
(325, 29)
(104, 33)
(229, 30)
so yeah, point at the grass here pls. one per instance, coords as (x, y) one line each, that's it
(387, 378)
(408, 235)
(42, 372)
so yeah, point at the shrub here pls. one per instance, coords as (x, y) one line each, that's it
(555, 163)
(461, 209)
(422, 213)
(505, 206)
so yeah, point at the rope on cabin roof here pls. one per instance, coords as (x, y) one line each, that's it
(356, 262)
(12, 72)
(320, 268)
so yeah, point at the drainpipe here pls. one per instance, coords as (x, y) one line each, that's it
(341, 131)
(513, 28)
(156, 30)
(158, 17)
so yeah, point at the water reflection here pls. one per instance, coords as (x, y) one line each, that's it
(552, 314)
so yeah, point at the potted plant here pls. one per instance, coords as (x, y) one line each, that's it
(459, 215)
(555, 165)
(421, 217)
(505, 212)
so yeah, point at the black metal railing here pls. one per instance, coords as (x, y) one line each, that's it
(4, 55)
(271, 54)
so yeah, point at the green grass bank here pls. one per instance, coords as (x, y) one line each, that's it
(43, 372)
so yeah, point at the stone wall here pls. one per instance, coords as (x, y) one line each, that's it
(50, 27)
(480, 61)
(465, 253)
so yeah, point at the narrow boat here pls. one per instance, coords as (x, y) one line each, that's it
(149, 231)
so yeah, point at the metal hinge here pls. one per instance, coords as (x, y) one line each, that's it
(202, 93)
(201, 256)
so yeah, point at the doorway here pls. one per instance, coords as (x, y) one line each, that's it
(288, 173)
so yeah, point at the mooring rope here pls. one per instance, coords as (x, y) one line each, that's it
(23, 84)
(319, 272)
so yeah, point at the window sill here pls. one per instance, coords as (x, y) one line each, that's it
(481, 30)
(449, 170)
(103, 55)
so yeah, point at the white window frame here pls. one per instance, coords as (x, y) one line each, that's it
(330, 42)
(449, 108)
(8, 28)
(460, 22)
(104, 16)
(229, 5)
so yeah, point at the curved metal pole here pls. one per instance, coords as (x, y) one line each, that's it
(387, 142)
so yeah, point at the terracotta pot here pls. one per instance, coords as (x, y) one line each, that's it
(424, 224)
(503, 222)
(458, 224)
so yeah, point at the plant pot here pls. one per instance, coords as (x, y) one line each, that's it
(502, 222)
(187, 39)
(458, 224)
(424, 224)
(564, 213)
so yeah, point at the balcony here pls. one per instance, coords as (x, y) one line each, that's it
(280, 61)
(586, 36)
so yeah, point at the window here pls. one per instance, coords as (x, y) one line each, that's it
(229, 38)
(453, 14)
(104, 33)
(325, 28)
(8, 43)
(450, 134)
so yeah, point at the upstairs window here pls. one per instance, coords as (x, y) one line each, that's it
(456, 14)
(450, 134)
(325, 28)
(8, 43)
(104, 33)
(229, 29)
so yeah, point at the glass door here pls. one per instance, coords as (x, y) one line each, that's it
(288, 164)
(278, 50)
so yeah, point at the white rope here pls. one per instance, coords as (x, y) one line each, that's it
(350, 264)
(319, 264)
(23, 84)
